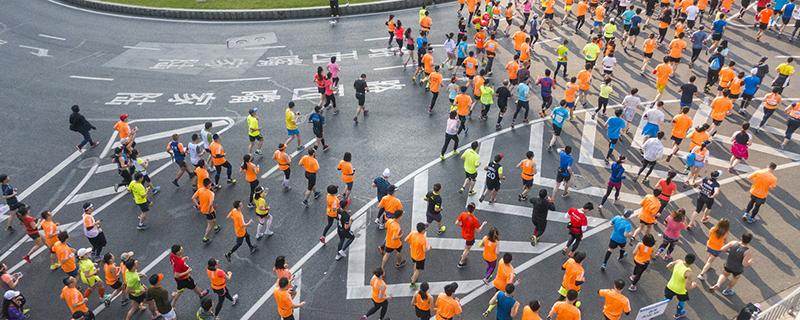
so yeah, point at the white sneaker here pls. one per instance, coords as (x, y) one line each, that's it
(342, 253)
(235, 299)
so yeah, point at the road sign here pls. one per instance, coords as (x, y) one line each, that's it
(653, 310)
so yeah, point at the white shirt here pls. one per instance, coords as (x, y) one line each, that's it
(452, 126)
(654, 116)
(796, 13)
(450, 45)
(624, 3)
(609, 63)
(206, 137)
(653, 149)
(692, 12)
(195, 150)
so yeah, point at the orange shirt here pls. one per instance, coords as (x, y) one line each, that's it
(421, 304)
(217, 278)
(283, 273)
(489, 249)
(762, 180)
(584, 79)
(512, 67)
(309, 163)
(676, 47)
(720, 107)
(504, 272)
(446, 307)
(201, 174)
(549, 6)
(217, 153)
(680, 125)
(566, 311)
(702, 4)
(491, 48)
(332, 205)
(390, 26)
(435, 82)
(663, 72)
(480, 40)
(73, 296)
(764, 15)
(714, 242)
(205, 198)
(50, 233)
(583, 7)
(393, 234)
(251, 172)
(697, 138)
(726, 75)
(615, 305)
(772, 100)
(110, 272)
(680, 28)
(649, 45)
(347, 168)
(573, 272)
(524, 52)
(650, 206)
(599, 13)
(643, 253)
(390, 204)
(284, 301)
(470, 65)
(463, 102)
(570, 92)
(529, 314)
(519, 38)
(426, 23)
(63, 252)
(239, 229)
(419, 244)
(509, 12)
(527, 169)
(427, 62)
(471, 5)
(282, 159)
(477, 83)
(376, 284)
(736, 86)
(123, 129)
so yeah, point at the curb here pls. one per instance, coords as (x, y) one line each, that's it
(250, 15)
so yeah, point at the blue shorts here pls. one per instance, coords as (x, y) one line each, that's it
(293, 132)
(686, 104)
(650, 130)
(570, 105)
(713, 252)
(598, 23)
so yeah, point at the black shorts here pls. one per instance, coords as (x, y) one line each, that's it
(469, 242)
(590, 62)
(613, 141)
(361, 98)
(704, 202)
(763, 26)
(390, 250)
(548, 16)
(211, 216)
(187, 283)
(144, 207)
(138, 299)
(527, 183)
(735, 274)
(409, 46)
(676, 139)
(626, 27)
(459, 61)
(423, 314)
(563, 178)
(674, 59)
(419, 265)
(556, 130)
(319, 89)
(431, 217)
(648, 55)
(734, 96)
(287, 173)
(220, 292)
(492, 185)
(748, 96)
(635, 31)
(716, 122)
(471, 176)
(646, 223)
(312, 180)
(716, 36)
(613, 244)
(181, 164)
(15, 206)
(318, 134)
(681, 297)
(349, 185)
(116, 285)
(254, 138)
(34, 236)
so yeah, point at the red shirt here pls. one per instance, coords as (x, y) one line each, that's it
(30, 225)
(468, 225)
(576, 220)
(178, 265)
(666, 189)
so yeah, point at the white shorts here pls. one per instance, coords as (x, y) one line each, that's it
(170, 315)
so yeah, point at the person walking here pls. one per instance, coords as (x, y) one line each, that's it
(361, 87)
(79, 124)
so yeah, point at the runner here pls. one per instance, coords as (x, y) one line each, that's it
(494, 178)
(507, 306)
(469, 226)
(614, 126)
(89, 276)
(739, 257)
(634, 22)
(471, 162)
(390, 27)
(541, 207)
(751, 84)
(203, 200)
(332, 206)
(207, 135)
(577, 225)
(763, 17)
(380, 299)
(284, 161)
(630, 105)
(709, 190)
(219, 161)
(291, 126)
(672, 233)
(50, 229)
(361, 87)
(196, 153)
(785, 71)
(139, 192)
(422, 302)
(435, 83)
(680, 127)
(137, 291)
(528, 168)
(648, 215)
(717, 237)
(219, 284)
(463, 104)
(648, 48)
(447, 305)
(523, 97)
(182, 273)
(642, 255)
(251, 171)
(762, 182)
(715, 63)
(663, 72)
(334, 69)
(490, 244)
(311, 166)
(254, 131)
(566, 309)
(771, 102)
(65, 255)
(573, 279)
(418, 246)
(614, 180)
(591, 52)
(140, 166)
(652, 151)
(740, 143)
(580, 15)
(486, 97)
(531, 310)
(178, 155)
(792, 121)
(239, 230)
(91, 229)
(584, 78)
(604, 95)
(615, 301)
(393, 241)
(558, 116)
(667, 187)
(124, 167)
(346, 236)
(503, 94)
(619, 237)
(721, 107)
(319, 80)
(111, 278)
(680, 282)
(282, 270)
(433, 212)
(505, 274)
(125, 132)
(389, 205)
(330, 93)
(564, 173)
(75, 300)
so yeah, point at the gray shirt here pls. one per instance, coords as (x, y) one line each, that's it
(697, 39)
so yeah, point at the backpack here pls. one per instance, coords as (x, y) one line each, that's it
(715, 64)
(749, 312)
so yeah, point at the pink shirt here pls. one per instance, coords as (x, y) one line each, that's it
(526, 7)
(673, 230)
(328, 87)
(333, 68)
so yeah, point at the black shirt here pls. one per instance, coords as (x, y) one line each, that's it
(502, 96)
(687, 92)
(77, 122)
(540, 209)
(434, 201)
(493, 172)
(344, 219)
(708, 186)
(361, 86)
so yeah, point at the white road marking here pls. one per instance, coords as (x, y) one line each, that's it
(377, 39)
(419, 206)
(298, 283)
(99, 193)
(523, 211)
(536, 144)
(782, 57)
(50, 174)
(51, 37)
(485, 153)
(549, 40)
(238, 80)
(404, 290)
(141, 48)
(169, 133)
(387, 68)
(92, 78)
(150, 157)
(265, 48)
(588, 135)
(40, 52)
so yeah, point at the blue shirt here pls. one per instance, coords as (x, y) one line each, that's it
(719, 26)
(177, 155)
(504, 305)
(617, 173)
(560, 114)
(751, 83)
(787, 10)
(627, 16)
(547, 86)
(621, 226)
(779, 4)
(462, 49)
(522, 91)
(421, 41)
(564, 161)
(615, 125)
(635, 21)
(317, 120)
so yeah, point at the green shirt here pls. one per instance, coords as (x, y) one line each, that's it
(471, 161)
(609, 29)
(590, 51)
(252, 125)
(605, 90)
(135, 286)
(486, 94)
(138, 191)
(562, 53)
(677, 282)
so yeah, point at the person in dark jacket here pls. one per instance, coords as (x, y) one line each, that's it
(78, 123)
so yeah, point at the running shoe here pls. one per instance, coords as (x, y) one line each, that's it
(55, 266)
(322, 239)
(235, 299)
(603, 267)
(442, 229)
(142, 226)
(633, 288)
(316, 194)
(728, 292)
(175, 182)
(253, 249)
(228, 257)
(217, 228)
(27, 258)
(472, 192)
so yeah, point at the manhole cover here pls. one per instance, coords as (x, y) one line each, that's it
(88, 162)
(254, 40)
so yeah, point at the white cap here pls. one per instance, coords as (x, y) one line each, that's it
(11, 294)
(386, 173)
(126, 255)
(82, 252)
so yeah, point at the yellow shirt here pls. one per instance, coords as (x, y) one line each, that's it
(291, 122)
(254, 130)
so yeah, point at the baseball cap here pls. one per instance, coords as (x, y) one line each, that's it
(123, 116)
(87, 206)
(627, 214)
(126, 255)
(253, 110)
(387, 173)
(11, 294)
(82, 252)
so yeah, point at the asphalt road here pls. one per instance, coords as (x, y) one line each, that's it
(56, 56)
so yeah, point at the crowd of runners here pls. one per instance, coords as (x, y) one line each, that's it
(467, 76)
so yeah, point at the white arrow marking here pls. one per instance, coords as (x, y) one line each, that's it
(536, 144)
(40, 52)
